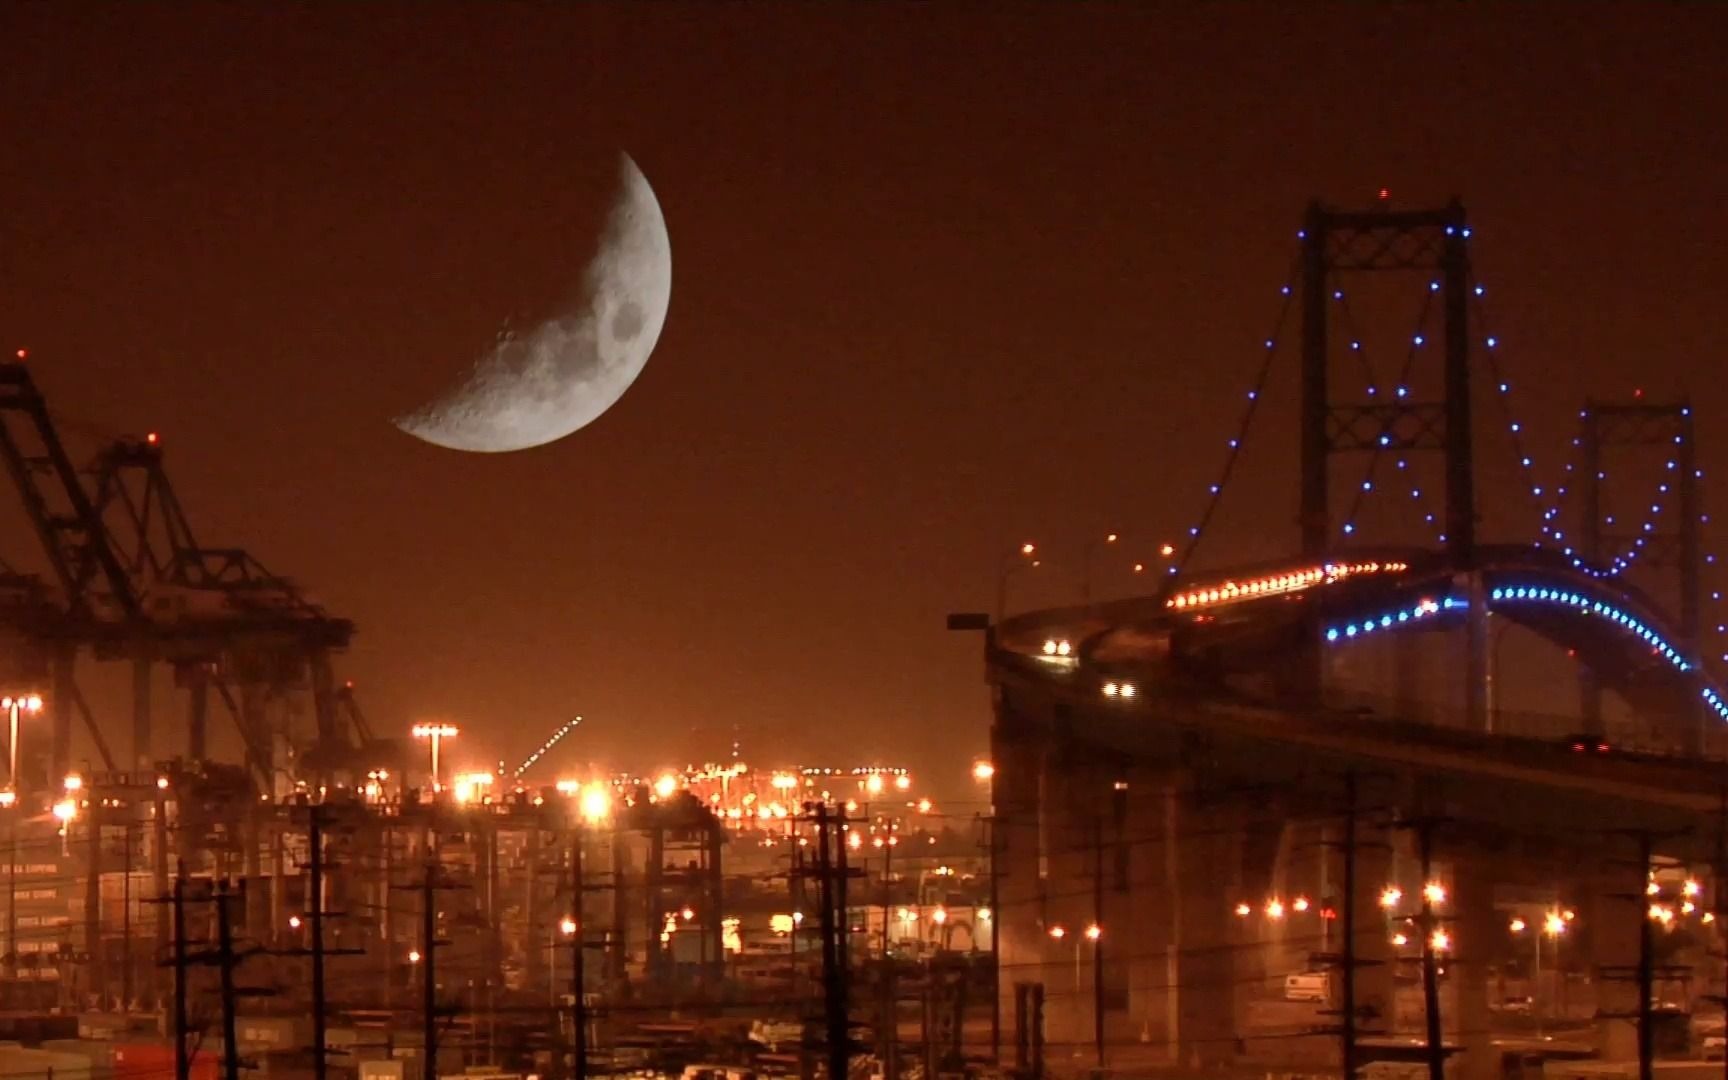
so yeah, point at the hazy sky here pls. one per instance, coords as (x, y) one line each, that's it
(943, 279)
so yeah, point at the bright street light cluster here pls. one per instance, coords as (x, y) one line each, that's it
(436, 733)
(1553, 923)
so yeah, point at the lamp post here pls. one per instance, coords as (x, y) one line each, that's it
(1021, 558)
(14, 705)
(436, 734)
(1553, 925)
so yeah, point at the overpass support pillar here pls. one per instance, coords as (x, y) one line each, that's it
(1616, 910)
(1204, 845)
(1478, 928)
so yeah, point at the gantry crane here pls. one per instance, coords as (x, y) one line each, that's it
(135, 585)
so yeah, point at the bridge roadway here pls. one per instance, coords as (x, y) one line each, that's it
(1199, 698)
(1243, 639)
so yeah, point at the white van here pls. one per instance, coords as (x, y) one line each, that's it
(1308, 986)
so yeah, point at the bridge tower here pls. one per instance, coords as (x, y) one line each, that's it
(1610, 430)
(1433, 241)
(1336, 242)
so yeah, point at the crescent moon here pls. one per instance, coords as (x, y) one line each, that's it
(537, 386)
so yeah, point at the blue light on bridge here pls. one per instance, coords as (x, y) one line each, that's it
(1580, 603)
(1586, 606)
(1389, 620)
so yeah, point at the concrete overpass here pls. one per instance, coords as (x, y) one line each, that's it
(1170, 768)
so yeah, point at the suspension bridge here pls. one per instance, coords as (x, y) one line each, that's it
(1198, 756)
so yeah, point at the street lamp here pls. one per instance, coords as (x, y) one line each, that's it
(15, 704)
(436, 733)
(1021, 558)
(1553, 925)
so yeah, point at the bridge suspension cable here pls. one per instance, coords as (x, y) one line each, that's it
(1233, 452)
(1503, 395)
(1400, 389)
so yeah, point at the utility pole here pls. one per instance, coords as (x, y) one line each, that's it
(315, 842)
(225, 960)
(1646, 970)
(316, 914)
(428, 962)
(1345, 961)
(1347, 1029)
(429, 943)
(887, 889)
(833, 975)
(1643, 973)
(1719, 893)
(842, 912)
(1096, 933)
(798, 892)
(888, 1022)
(578, 1011)
(12, 813)
(182, 1060)
(126, 914)
(1430, 968)
(992, 824)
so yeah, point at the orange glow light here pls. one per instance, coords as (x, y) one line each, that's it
(1276, 584)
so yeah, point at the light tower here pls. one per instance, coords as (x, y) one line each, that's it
(14, 705)
(435, 734)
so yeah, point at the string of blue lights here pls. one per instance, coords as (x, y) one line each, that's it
(1515, 426)
(1233, 448)
(1401, 390)
(1613, 613)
